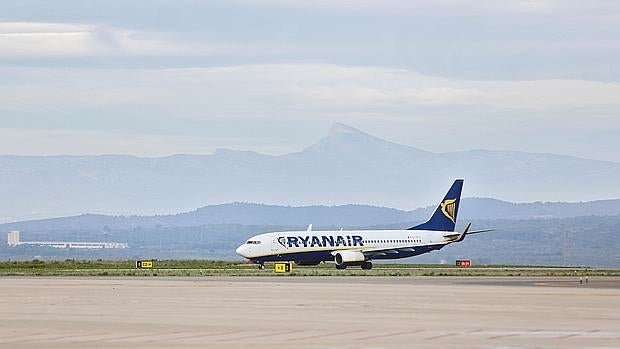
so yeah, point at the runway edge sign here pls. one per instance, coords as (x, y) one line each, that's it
(144, 264)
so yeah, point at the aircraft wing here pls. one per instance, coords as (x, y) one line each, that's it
(459, 236)
(479, 231)
(372, 252)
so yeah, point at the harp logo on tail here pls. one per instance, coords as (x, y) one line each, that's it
(448, 207)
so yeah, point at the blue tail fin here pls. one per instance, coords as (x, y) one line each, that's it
(444, 217)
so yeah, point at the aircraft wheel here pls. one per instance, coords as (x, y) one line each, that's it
(261, 267)
(367, 265)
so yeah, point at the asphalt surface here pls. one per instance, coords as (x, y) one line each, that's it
(304, 312)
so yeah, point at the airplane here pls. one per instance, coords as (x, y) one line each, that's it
(360, 247)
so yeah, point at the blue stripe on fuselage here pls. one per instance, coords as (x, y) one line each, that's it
(326, 255)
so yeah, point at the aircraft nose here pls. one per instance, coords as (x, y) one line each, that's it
(241, 250)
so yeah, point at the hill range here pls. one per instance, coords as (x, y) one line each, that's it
(535, 233)
(347, 166)
(351, 216)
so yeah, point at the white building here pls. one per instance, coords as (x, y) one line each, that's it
(13, 240)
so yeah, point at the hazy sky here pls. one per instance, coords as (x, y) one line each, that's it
(155, 77)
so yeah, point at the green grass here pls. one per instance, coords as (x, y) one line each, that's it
(196, 268)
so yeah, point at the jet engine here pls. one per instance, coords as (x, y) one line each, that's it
(345, 257)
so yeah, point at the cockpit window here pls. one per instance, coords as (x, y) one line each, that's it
(253, 242)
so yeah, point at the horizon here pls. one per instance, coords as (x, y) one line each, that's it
(420, 208)
(307, 146)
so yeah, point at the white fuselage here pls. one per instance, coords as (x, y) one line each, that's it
(322, 245)
(359, 247)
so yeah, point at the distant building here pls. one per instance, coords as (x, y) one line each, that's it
(13, 240)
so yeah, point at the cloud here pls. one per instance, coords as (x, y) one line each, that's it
(36, 40)
(472, 39)
(92, 142)
(51, 39)
(273, 87)
(369, 86)
(40, 41)
(448, 7)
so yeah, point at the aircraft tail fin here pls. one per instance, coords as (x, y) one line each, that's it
(444, 217)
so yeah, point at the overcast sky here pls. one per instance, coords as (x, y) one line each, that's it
(156, 77)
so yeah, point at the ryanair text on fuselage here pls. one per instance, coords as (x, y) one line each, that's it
(321, 241)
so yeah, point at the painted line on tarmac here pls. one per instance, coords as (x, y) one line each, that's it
(329, 334)
(206, 335)
(389, 335)
(441, 336)
(508, 335)
(272, 334)
(17, 339)
(36, 338)
(82, 338)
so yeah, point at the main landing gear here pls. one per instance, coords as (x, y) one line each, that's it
(365, 265)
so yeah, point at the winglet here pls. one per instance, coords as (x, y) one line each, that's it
(463, 233)
(309, 228)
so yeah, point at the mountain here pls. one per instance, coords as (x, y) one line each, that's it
(350, 216)
(347, 166)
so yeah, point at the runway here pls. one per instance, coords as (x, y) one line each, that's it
(296, 312)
